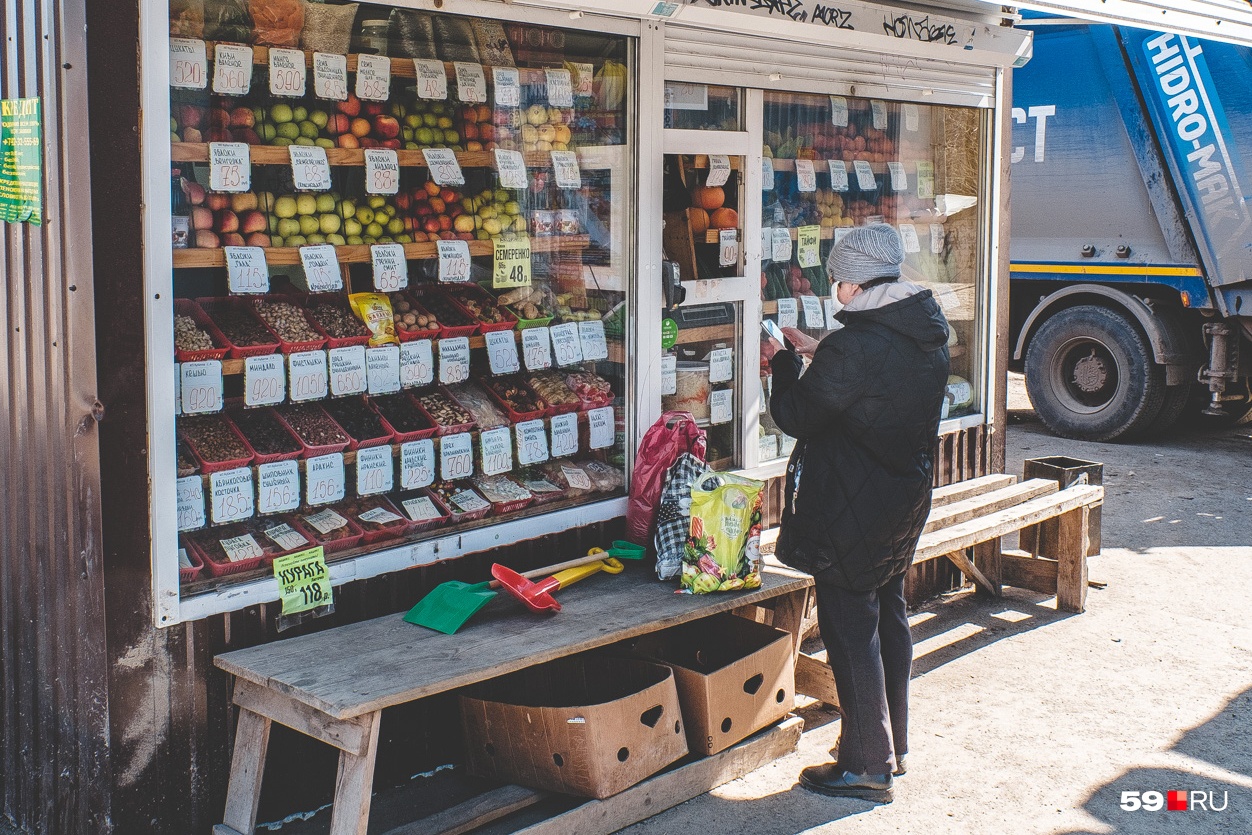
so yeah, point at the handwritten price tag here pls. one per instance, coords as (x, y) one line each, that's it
(382, 171)
(502, 352)
(382, 369)
(899, 178)
(767, 174)
(838, 175)
(806, 175)
(560, 88)
(374, 471)
(471, 84)
(832, 307)
(727, 247)
(497, 450)
(278, 487)
(600, 422)
(264, 380)
(246, 271)
(456, 456)
(454, 260)
(908, 236)
(813, 317)
(719, 170)
(808, 239)
(936, 238)
(669, 374)
(564, 435)
(432, 80)
(303, 581)
(537, 348)
(309, 169)
(190, 493)
(566, 344)
(592, 340)
(347, 371)
(511, 168)
(454, 358)
(565, 170)
(189, 64)
(788, 313)
(287, 72)
(508, 86)
(878, 114)
(391, 270)
(864, 175)
(721, 365)
(231, 495)
(842, 232)
(417, 365)
(202, 387)
(324, 479)
(444, 168)
(330, 76)
(178, 388)
(532, 442)
(511, 264)
(373, 77)
(721, 407)
(285, 536)
(421, 509)
(232, 69)
(417, 464)
(239, 548)
(767, 241)
(321, 268)
(230, 167)
(839, 111)
(308, 374)
(925, 180)
(911, 117)
(781, 249)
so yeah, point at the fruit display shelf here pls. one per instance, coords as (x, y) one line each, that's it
(821, 165)
(279, 155)
(360, 254)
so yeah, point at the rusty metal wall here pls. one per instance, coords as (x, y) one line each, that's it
(54, 770)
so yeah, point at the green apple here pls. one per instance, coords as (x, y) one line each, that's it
(424, 136)
(355, 240)
(376, 201)
(451, 137)
(413, 120)
(411, 146)
(330, 224)
(320, 118)
(395, 226)
(281, 113)
(286, 206)
(373, 230)
(315, 238)
(406, 238)
(307, 128)
(323, 142)
(365, 214)
(309, 224)
(366, 239)
(306, 204)
(288, 130)
(325, 203)
(275, 240)
(281, 142)
(352, 227)
(297, 240)
(430, 120)
(336, 240)
(304, 141)
(288, 226)
(299, 113)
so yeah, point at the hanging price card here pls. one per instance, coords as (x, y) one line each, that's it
(511, 167)
(232, 69)
(864, 175)
(373, 77)
(577, 479)
(444, 169)
(471, 84)
(878, 114)
(432, 80)
(246, 271)
(808, 240)
(767, 174)
(324, 480)
(936, 238)
(278, 487)
(417, 364)
(391, 270)
(230, 167)
(287, 72)
(838, 175)
(911, 117)
(839, 111)
(325, 521)
(239, 548)
(600, 422)
(308, 375)
(456, 456)
(231, 495)
(537, 348)
(512, 263)
(560, 88)
(330, 76)
(727, 247)
(806, 175)
(190, 493)
(201, 387)
(532, 443)
(781, 249)
(285, 536)
(382, 369)
(508, 86)
(382, 171)
(719, 170)
(899, 179)
(497, 450)
(264, 380)
(454, 358)
(347, 371)
(721, 407)
(188, 64)
(321, 268)
(925, 180)
(502, 352)
(788, 313)
(813, 317)
(309, 169)
(374, 470)
(303, 581)
(564, 435)
(454, 260)
(565, 343)
(591, 338)
(832, 307)
(908, 235)
(669, 374)
(417, 464)
(721, 365)
(565, 170)
(421, 509)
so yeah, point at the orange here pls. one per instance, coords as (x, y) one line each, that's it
(708, 197)
(699, 219)
(724, 218)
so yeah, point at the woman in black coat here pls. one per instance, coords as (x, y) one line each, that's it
(865, 415)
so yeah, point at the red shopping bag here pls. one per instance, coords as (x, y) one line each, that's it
(673, 434)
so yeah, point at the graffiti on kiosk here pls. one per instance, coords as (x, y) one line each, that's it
(831, 16)
(919, 29)
(923, 29)
(792, 9)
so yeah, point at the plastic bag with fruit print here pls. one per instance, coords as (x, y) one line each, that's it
(723, 551)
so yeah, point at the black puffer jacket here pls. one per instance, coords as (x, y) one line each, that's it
(865, 416)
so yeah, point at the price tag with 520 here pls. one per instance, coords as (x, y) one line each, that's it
(502, 352)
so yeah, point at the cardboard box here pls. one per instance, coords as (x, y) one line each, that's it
(734, 677)
(586, 725)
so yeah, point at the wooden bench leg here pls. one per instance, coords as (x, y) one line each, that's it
(987, 558)
(252, 738)
(1071, 554)
(355, 785)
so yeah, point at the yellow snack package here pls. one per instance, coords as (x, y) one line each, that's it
(374, 309)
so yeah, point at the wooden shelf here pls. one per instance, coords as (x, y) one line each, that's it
(278, 155)
(823, 168)
(290, 256)
(400, 67)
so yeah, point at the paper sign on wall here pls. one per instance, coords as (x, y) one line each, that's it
(600, 422)
(719, 170)
(806, 175)
(911, 117)
(899, 179)
(232, 69)
(838, 175)
(566, 345)
(502, 352)
(382, 171)
(669, 374)
(201, 386)
(560, 88)
(310, 379)
(432, 80)
(864, 175)
(813, 317)
(391, 270)
(454, 358)
(721, 406)
(321, 268)
(231, 495)
(287, 72)
(532, 442)
(471, 84)
(347, 371)
(190, 497)
(808, 241)
(781, 249)
(373, 77)
(564, 435)
(444, 168)
(456, 456)
(324, 479)
(537, 348)
(278, 487)
(230, 167)
(454, 260)
(878, 114)
(511, 263)
(246, 271)
(508, 87)
(496, 448)
(788, 313)
(417, 364)
(330, 76)
(189, 64)
(565, 170)
(839, 111)
(382, 369)
(721, 365)
(374, 470)
(727, 247)
(417, 464)
(832, 307)
(264, 380)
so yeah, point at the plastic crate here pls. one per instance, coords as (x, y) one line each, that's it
(540, 497)
(425, 524)
(190, 575)
(375, 532)
(329, 544)
(213, 304)
(355, 443)
(501, 507)
(444, 491)
(322, 449)
(453, 319)
(406, 335)
(554, 409)
(206, 540)
(446, 430)
(186, 307)
(295, 347)
(207, 467)
(383, 405)
(460, 292)
(269, 414)
(311, 309)
(515, 416)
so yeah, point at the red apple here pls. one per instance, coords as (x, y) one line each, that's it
(445, 223)
(253, 221)
(432, 188)
(207, 240)
(351, 105)
(201, 218)
(368, 142)
(386, 127)
(232, 239)
(242, 117)
(423, 210)
(470, 131)
(447, 236)
(338, 123)
(431, 225)
(225, 220)
(437, 205)
(403, 200)
(219, 118)
(374, 108)
(247, 135)
(390, 144)
(447, 195)
(258, 239)
(465, 236)
(220, 135)
(195, 193)
(190, 116)
(347, 140)
(217, 201)
(419, 237)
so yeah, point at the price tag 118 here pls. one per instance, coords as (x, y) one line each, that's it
(813, 317)
(727, 247)
(417, 364)
(564, 435)
(417, 464)
(382, 369)
(600, 422)
(560, 88)
(309, 377)
(806, 175)
(246, 271)
(669, 374)
(278, 487)
(230, 167)
(231, 495)
(232, 69)
(382, 171)
(721, 407)
(502, 352)
(592, 340)
(456, 456)
(565, 343)
(838, 175)
(309, 169)
(721, 365)
(497, 450)
(719, 170)
(537, 348)
(190, 493)
(508, 86)
(189, 64)
(471, 84)
(303, 581)
(454, 260)
(767, 174)
(432, 80)
(444, 168)
(899, 177)
(330, 76)
(373, 77)
(347, 371)
(321, 268)
(781, 245)
(788, 313)
(808, 240)
(532, 443)
(511, 167)
(839, 111)
(324, 479)
(454, 358)
(391, 270)
(264, 380)
(202, 387)
(565, 170)
(374, 470)
(287, 72)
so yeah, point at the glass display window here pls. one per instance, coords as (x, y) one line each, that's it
(703, 107)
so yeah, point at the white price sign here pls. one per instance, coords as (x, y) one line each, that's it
(727, 247)
(382, 171)
(232, 69)
(839, 111)
(324, 479)
(838, 175)
(565, 343)
(287, 72)
(321, 268)
(878, 114)
(936, 238)
(190, 493)
(230, 167)
(454, 359)
(669, 374)
(421, 509)
(497, 450)
(246, 271)
(189, 64)
(842, 232)
(532, 442)
(719, 170)
(806, 175)
(767, 174)
(456, 456)
(231, 496)
(537, 348)
(560, 88)
(308, 375)
(912, 117)
(347, 371)
(721, 365)
(502, 352)
(813, 316)
(471, 84)
(721, 407)
(201, 386)
(382, 369)
(511, 168)
(444, 169)
(285, 537)
(592, 340)
(767, 243)
(264, 380)
(808, 244)
(374, 471)
(239, 548)
(417, 364)
(508, 86)
(564, 435)
(788, 313)
(330, 76)
(832, 307)
(600, 422)
(432, 80)
(278, 487)
(454, 260)
(309, 169)
(781, 248)
(899, 178)
(864, 175)
(373, 77)
(417, 464)
(908, 236)
(565, 170)
(391, 270)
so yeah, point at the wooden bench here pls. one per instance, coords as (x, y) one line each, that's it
(334, 685)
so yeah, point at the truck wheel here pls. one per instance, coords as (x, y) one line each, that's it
(1091, 375)
(1175, 404)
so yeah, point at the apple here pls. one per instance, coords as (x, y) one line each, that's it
(330, 224)
(243, 201)
(217, 201)
(232, 239)
(309, 224)
(281, 113)
(192, 135)
(220, 135)
(286, 207)
(201, 218)
(368, 142)
(242, 117)
(350, 106)
(258, 239)
(205, 239)
(335, 239)
(288, 226)
(347, 140)
(191, 116)
(465, 236)
(431, 225)
(224, 220)
(296, 240)
(390, 144)
(253, 221)
(306, 204)
(325, 203)
(195, 192)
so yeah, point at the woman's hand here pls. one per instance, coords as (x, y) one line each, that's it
(803, 344)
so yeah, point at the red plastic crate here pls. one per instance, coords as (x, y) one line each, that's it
(190, 575)
(514, 416)
(206, 540)
(413, 336)
(186, 307)
(388, 530)
(329, 546)
(425, 524)
(455, 516)
(446, 430)
(294, 347)
(453, 319)
(388, 436)
(258, 458)
(207, 467)
(404, 398)
(330, 300)
(459, 292)
(314, 451)
(214, 303)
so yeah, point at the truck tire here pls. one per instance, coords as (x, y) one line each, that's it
(1172, 408)
(1091, 375)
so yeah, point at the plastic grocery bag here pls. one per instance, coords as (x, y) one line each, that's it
(673, 516)
(673, 434)
(723, 551)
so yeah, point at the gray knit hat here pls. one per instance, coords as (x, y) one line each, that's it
(866, 253)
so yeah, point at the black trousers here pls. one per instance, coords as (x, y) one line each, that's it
(871, 652)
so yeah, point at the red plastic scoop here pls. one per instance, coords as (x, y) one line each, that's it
(538, 596)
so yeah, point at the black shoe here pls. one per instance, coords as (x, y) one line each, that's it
(829, 779)
(901, 768)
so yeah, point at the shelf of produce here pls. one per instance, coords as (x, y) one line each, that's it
(278, 155)
(822, 167)
(290, 255)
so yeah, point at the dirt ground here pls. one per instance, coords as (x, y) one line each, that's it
(1026, 720)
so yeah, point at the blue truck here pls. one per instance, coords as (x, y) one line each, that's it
(1131, 239)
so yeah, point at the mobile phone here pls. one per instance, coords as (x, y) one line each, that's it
(774, 332)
